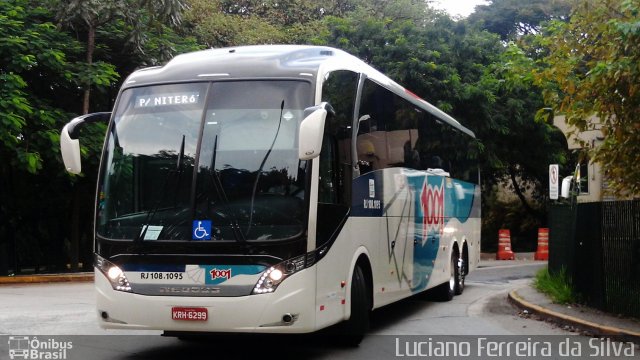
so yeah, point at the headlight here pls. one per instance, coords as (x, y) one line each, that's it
(276, 274)
(114, 274)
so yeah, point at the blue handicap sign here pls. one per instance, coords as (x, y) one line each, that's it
(201, 230)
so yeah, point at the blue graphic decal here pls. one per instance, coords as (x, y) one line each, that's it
(459, 200)
(435, 199)
(217, 274)
(201, 230)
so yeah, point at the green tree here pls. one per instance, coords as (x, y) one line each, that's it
(89, 15)
(34, 53)
(39, 65)
(126, 34)
(591, 69)
(137, 15)
(522, 144)
(514, 18)
(219, 23)
(217, 28)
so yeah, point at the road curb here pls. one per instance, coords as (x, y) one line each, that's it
(50, 278)
(596, 329)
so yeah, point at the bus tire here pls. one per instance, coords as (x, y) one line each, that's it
(352, 331)
(445, 292)
(460, 272)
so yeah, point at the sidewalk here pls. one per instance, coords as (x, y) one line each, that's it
(45, 278)
(588, 320)
(578, 317)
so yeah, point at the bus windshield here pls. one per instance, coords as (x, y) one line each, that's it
(205, 161)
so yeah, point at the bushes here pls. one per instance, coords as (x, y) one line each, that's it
(557, 286)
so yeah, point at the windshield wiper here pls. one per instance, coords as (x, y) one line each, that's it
(264, 160)
(179, 170)
(140, 236)
(217, 184)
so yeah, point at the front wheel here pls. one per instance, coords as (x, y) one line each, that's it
(352, 331)
(445, 292)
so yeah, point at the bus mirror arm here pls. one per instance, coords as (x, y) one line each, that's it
(362, 118)
(325, 105)
(311, 131)
(69, 143)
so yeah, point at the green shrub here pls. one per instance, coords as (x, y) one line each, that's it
(557, 286)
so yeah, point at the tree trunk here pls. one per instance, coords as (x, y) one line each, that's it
(74, 240)
(74, 246)
(523, 199)
(91, 43)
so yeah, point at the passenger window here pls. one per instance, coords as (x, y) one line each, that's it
(387, 131)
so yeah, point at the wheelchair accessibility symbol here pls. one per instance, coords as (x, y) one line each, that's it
(201, 230)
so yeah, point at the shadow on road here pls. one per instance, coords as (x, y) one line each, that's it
(324, 344)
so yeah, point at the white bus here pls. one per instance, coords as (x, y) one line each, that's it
(275, 189)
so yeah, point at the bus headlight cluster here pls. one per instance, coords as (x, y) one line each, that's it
(275, 275)
(114, 274)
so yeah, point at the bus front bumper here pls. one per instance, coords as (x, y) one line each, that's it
(293, 300)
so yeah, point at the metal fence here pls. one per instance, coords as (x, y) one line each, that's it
(598, 245)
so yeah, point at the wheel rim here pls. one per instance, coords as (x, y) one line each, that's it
(460, 272)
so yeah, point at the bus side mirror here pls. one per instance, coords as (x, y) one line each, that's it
(69, 143)
(312, 130)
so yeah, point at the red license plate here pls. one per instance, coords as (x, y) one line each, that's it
(189, 313)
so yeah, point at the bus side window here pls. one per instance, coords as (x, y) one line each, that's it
(387, 130)
(371, 142)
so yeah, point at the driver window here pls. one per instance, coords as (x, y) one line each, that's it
(336, 168)
(326, 189)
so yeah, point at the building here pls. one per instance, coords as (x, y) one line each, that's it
(593, 181)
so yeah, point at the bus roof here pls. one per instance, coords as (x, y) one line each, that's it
(302, 62)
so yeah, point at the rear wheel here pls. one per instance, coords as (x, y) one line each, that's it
(460, 271)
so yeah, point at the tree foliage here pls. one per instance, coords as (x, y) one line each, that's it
(140, 18)
(514, 18)
(34, 53)
(43, 71)
(219, 23)
(592, 70)
(523, 146)
(40, 68)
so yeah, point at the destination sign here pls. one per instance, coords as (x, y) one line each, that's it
(147, 101)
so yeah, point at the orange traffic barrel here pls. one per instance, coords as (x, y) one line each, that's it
(543, 245)
(504, 245)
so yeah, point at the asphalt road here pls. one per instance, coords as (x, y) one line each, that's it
(55, 310)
